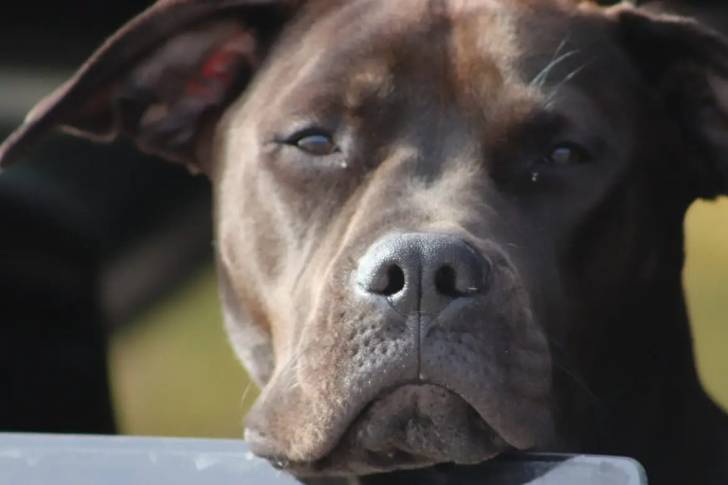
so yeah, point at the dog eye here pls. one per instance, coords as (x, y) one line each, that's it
(567, 154)
(315, 143)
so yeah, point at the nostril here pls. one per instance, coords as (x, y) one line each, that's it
(446, 282)
(395, 281)
(453, 284)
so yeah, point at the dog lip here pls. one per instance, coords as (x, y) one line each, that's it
(395, 459)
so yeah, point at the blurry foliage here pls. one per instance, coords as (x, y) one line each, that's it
(706, 282)
(173, 372)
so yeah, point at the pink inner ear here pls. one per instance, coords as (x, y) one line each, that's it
(221, 67)
(178, 90)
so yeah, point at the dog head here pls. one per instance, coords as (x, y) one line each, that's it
(431, 216)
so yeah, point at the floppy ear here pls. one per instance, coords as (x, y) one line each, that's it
(687, 64)
(162, 79)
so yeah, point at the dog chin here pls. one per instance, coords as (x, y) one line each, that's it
(412, 426)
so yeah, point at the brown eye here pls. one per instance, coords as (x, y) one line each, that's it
(567, 154)
(317, 144)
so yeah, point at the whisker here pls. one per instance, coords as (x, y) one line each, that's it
(580, 383)
(540, 79)
(291, 367)
(246, 391)
(567, 78)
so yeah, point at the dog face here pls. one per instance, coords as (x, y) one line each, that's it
(430, 216)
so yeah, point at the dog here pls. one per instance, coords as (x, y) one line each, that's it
(445, 229)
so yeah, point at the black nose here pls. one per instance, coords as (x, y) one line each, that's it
(422, 272)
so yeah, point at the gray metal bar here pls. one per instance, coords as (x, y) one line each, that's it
(86, 460)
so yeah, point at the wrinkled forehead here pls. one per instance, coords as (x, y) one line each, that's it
(463, 50)
(473, 66)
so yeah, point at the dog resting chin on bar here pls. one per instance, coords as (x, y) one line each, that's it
(445, 229)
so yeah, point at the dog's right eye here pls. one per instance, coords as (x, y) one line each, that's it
(565, 154)
(315, 143)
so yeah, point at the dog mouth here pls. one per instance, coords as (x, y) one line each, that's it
(411, 426)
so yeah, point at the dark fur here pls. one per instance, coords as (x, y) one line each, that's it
(444, 114)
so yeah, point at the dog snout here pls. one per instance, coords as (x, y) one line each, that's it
(422, 272)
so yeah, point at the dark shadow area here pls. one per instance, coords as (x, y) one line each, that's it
(90, 234)
(507, 470)
(516, 469)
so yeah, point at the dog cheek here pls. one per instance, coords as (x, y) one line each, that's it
(249, 336)
(252, 346)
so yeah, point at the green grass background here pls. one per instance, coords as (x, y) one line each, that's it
(174, 374)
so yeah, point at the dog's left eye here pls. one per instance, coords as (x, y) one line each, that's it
(313, 142)
(566, 154)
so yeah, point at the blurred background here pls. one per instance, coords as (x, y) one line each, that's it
(150, 343)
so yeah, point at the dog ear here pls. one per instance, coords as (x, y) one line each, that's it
(687, 64)
(163, 79)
